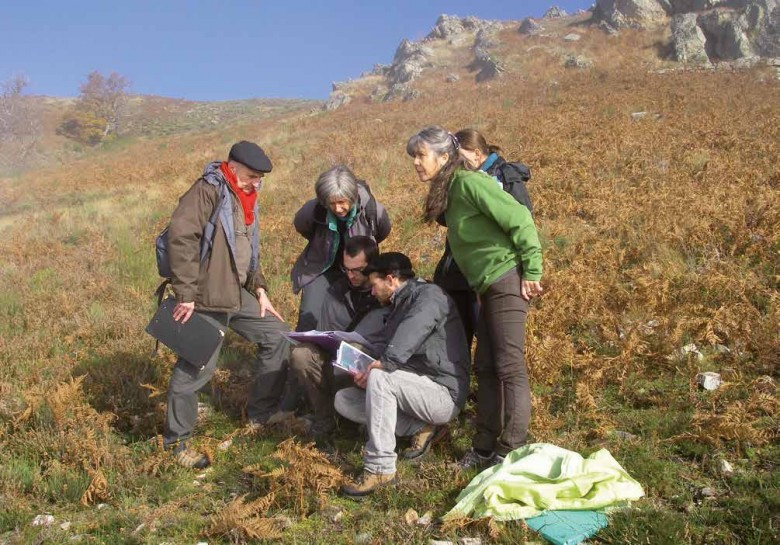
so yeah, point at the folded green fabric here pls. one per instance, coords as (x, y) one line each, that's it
(540, 476)
(567, 527)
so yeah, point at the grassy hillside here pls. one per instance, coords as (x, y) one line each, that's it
(143, 117)
(658, 232)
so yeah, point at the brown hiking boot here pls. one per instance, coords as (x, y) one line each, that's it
(423, 440)
(189, 458)
(367, 483)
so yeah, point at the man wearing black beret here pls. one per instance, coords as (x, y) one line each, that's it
(224, 285)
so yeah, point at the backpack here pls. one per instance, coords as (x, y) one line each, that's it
(513, 177)
(371, 212)
(164, 260)
(206, 240)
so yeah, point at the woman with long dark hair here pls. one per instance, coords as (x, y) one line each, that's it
(511, 177)
(494, 241)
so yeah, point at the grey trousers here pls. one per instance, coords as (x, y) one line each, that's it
(270, 368)
(312, 299)
(503, 391)
(397, 403)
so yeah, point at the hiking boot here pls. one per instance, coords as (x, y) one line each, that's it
(474, 460)
(422, 441)
(367, 483)
(189, 458)
(280, 417)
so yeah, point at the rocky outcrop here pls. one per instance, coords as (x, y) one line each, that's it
(764, 17)
(725, 33)
(336, 100)
(410, 59)
(486, 64)
(448, 27)
(530, 26)
(631, 13)
(688, 40)
(726, 30)
(554, 13)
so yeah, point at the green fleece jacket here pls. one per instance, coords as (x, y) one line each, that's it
(489, 231)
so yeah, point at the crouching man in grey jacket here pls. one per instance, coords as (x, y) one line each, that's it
(421, 380)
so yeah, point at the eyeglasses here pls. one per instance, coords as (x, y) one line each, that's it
(356, 270)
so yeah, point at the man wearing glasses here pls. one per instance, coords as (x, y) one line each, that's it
(348, 306)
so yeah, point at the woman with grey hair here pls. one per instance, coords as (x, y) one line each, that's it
(494, 241)
(344, 208)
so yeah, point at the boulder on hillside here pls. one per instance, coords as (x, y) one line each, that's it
(530, 26)
(401, 91)
(764, 17)
(688, 6)
(725, 34)
(448, 27)
(688, 40)
(336, 100)
(631, 13)
(410, 60)
(554, 13)
(487, 65)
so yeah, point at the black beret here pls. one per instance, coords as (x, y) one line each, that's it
(390, 263)
(250, 155)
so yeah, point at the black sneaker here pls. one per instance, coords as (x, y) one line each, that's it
(474, 460)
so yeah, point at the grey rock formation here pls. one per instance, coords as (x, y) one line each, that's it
(486, 64)
(530, 26)
(410, 59)
(631, 13)
(452, 78)
(554, 13)
(449, 27)
(446, 26)
(687, 6)
(573, 37)
(726, 39)
(607, 28)
(688, 40)
(336, 100)
(401, 91)
(764, 17)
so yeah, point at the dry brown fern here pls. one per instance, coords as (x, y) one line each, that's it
(242, 520)
(97, 489)
(305, 472)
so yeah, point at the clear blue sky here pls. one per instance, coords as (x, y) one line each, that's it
(221, 50)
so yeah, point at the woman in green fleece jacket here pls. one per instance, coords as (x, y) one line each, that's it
(494, 242)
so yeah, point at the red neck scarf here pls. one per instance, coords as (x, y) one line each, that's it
(247, 199)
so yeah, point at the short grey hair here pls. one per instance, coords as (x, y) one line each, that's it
(436, 138)
(338, 182)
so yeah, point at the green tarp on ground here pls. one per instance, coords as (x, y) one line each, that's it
(540, 477)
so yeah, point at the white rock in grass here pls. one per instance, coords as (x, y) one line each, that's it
(426, 519)
(437, 542)
(726, 469)
(708, 380)
(43, 520)
(224, 445)
(65, 526)
(469, 541)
